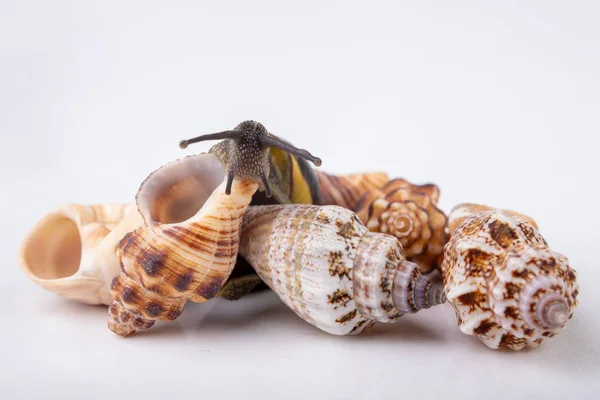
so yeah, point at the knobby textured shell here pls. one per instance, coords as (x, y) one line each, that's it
(326, 266)
(410, 213)
(71, 251)
(506, 285)
(345, 190)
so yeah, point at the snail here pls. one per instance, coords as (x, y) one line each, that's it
(188, 247)
(506, 285)
(71, 251)
(330, 270)
(408, 212)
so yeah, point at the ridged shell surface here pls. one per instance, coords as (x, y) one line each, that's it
(506, 285)
(326, 266)
(345, 190)
(409, 212)
(187, 250)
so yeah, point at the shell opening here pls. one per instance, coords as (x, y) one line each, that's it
(178, 190)
(53, 249)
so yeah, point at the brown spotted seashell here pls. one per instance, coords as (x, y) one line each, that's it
(330, 270)
(506, 285)
(408, 212)
(71, 251)
(345, 190)
(193, 212)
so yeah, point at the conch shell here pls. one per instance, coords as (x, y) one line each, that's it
(504, 282)
(72, 251)
(327, 267)
(408, 212)
(188, 248)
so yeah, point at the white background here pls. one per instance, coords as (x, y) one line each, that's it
(496, 102)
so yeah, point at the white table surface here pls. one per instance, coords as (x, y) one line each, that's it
(495, 102)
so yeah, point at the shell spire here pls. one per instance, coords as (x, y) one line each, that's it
(334, 273)
(506, 285)
(193, 212)
(410, 213)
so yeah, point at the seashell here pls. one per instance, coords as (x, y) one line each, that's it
(346, 190)
(327, 267)
(504, 282)
(71, 251)
(409, 213)
(193, 211)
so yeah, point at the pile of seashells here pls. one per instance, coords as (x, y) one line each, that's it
(343, 252)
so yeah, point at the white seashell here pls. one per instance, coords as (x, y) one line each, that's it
(326, 266)
(72, 251)
(506, 285)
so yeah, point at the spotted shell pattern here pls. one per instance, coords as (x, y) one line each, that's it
(504, 282)
(409, 212)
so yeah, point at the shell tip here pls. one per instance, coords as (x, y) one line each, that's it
(557, 314)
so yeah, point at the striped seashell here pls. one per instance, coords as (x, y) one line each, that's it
(346, 190)
(327, 267)
(71, 251)
(409, 213)
(507, 286)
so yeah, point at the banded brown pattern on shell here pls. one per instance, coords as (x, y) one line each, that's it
(71, 251)
(164, 265)
(188, 247)
(345, 190)
(325, 265)
(506, 285)
(410, 213)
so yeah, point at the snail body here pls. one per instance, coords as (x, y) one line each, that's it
(506, 285)
(192, 209)
(330, 270)
(71, 251)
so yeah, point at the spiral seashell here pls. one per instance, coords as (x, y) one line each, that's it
(71, 251)
(506, 285)
(345, 190)
(193, 211)
(409, 213)
(327, 267)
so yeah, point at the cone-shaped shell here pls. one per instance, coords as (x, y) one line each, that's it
(409, 213)
(326, 266)
(345, 190)
(186, 251)
(72, 251)
(506, 285)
